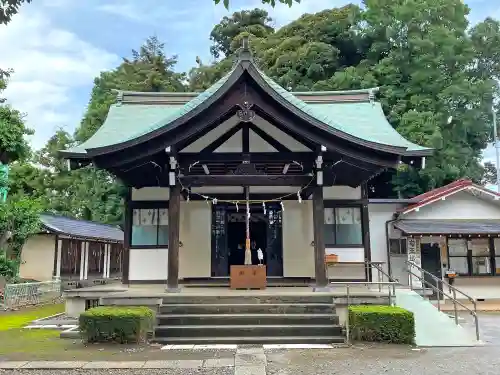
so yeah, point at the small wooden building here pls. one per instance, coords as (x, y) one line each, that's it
(70, 249)
(455, 227)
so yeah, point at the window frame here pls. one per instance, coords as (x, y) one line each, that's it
(147, 205)
(337, 204)
(470, 258)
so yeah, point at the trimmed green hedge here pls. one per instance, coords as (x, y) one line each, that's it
(117, 324)
(382, 324)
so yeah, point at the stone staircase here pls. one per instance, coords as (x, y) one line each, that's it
(264, 319)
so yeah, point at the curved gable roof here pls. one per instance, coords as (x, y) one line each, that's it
(362, 123)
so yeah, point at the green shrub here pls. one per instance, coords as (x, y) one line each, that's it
(8, 267)
(118, 324)
(382, 324)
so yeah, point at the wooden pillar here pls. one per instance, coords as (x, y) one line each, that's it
(365, 227)
(82, 260)
(319, 238)
(105, 261)
(127, 238)
(108, 261)
(57, 258)
(174, 213)
(86, 269)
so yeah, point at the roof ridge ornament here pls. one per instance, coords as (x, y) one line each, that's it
(245, 53)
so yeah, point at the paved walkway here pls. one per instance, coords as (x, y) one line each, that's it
(245, 361)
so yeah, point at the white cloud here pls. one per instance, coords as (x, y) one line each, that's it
(50, 65)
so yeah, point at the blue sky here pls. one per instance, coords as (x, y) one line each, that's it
(57, 47)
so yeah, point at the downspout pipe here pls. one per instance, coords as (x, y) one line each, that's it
(395, 217)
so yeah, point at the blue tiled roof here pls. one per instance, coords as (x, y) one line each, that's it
(81, 228)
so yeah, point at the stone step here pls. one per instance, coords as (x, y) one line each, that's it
(248, 330)
(252, 308)
(247, 299)
(250, 340)
(246, 319)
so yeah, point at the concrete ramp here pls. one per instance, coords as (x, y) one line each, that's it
(432, 327)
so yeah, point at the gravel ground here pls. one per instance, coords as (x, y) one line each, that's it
(201, 371)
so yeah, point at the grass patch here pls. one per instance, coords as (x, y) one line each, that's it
(18, 319)
(22, 341)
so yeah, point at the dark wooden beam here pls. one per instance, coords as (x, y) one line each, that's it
(241, 196)
(127, 240)
(56, 250)
(245, 140)
(174, 213)
(186, 158)
(222, 139)
(266, 137)
(365, 225)
(246, 180)
(319, 238)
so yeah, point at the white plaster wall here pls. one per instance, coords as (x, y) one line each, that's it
(38, 258)
(195, 234)
(148, 264)
(256, 143)
(341, 192)
(233, 144)
(347, 271)
(151, 194)
(462, 205)
(279, 135)
(298, 254)
(378, 214)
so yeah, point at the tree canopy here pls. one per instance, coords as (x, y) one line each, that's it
(429, 64)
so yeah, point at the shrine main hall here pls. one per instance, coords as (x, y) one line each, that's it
(248, 160)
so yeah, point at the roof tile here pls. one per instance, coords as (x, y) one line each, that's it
(81, 228)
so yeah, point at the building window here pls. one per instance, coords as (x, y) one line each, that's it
(343, 226)
(398, 246)
(470, 257)
(457, 251)
(149, 227)
(480, 254)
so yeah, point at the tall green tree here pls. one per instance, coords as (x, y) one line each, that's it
(90, 193)
(149, 69)
(256, 22)
(270, 2)
(429, 66)
(9, 8)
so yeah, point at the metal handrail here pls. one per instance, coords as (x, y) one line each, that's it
(453, 298)
(381, 271)
(348, 284)
(451, 287)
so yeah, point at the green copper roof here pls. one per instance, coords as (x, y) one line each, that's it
(361, 119)
(126, 122)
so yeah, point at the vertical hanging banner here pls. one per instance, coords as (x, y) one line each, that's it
(414, 256)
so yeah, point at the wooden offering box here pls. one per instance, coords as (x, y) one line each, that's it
(248, 277)
(331, 258)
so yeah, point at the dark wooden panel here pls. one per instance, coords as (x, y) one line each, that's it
(174, 213)
(249, 180)
(319, 237)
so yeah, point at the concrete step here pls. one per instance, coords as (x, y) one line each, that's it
(247, 299)
(252, 308)
(248, 330)
(251, 340)
(246, 319)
